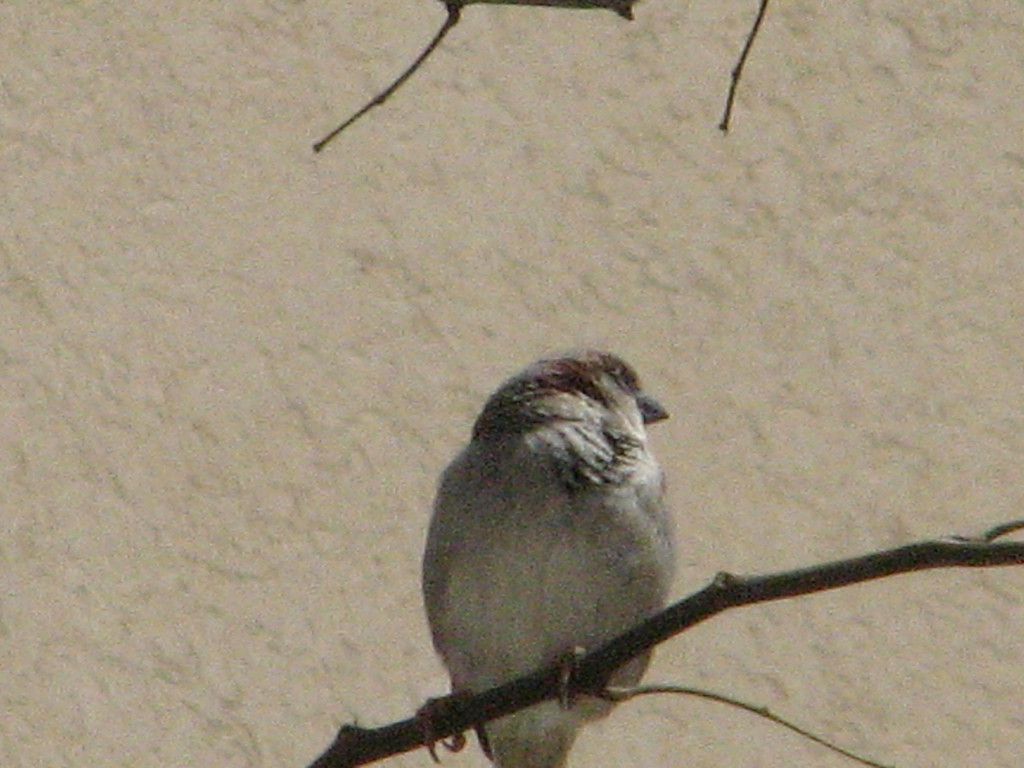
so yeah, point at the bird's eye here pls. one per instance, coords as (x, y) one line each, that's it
(624, 376)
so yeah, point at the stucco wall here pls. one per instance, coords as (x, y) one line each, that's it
(230, 370)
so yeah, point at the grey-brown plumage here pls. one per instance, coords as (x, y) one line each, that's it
(549, 532)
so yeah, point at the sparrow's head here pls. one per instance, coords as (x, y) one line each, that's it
(583, 386)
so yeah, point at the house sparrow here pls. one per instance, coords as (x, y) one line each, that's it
(549, 533)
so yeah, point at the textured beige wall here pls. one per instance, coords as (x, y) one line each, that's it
(230, 370)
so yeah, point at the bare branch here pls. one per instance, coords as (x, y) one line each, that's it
(622, 7)
(613, 694)
(454, 714)
(454, 9)
(737, 71)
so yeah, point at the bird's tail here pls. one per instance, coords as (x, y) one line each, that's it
(538, 737)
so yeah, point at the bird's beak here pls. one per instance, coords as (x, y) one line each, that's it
(650, 409)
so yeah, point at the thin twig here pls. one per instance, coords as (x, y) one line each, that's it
(993, 533)
(737, 71)
(998, 531)
(454, 9)
(625, 694)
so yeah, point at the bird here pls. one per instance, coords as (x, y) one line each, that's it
(549, 534)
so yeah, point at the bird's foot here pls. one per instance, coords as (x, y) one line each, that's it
(428, 715)
(567, 668)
